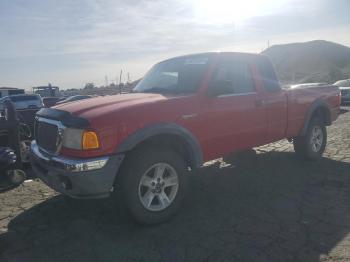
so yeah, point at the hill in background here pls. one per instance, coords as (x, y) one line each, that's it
(314, 61)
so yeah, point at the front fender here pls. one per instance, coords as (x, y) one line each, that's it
(152, 130)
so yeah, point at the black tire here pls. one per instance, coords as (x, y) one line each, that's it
(303, 145)
(16, 176)
(137, 163)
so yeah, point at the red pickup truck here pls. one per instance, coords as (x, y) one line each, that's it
(185, 111)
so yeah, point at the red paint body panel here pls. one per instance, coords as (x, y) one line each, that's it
(221, 124)
(299, 101)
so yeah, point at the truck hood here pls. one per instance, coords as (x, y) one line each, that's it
(99, 106)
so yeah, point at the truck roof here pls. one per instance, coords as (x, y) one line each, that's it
(238, 54)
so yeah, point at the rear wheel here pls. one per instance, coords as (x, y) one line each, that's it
(153, 184)
(312, 145)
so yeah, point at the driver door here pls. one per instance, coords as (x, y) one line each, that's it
(235, 119)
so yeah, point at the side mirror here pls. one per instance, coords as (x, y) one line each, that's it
(220, 87)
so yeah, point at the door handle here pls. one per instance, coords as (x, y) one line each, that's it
(189, 116)
(259, 103)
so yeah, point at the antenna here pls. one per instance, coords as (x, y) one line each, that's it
(120, 81)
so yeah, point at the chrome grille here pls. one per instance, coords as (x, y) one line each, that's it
(48, 135)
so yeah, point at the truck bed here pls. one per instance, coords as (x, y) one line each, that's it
(300, 100)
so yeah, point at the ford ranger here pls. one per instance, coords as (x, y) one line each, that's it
(139, 147)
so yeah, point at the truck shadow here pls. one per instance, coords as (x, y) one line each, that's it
(276, 208)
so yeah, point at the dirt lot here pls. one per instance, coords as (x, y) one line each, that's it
(274, 209)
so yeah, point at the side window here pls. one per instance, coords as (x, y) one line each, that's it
(222, 73)
(242, 79)
(268, 75)
(237, 75)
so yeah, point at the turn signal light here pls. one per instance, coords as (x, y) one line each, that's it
(90, 140)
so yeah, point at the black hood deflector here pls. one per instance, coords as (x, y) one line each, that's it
(66, 118)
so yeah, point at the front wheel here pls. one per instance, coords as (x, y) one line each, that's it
(312, 145)
(153, 184)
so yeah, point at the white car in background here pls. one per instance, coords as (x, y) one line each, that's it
(344, 86)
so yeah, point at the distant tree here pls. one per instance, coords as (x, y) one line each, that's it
(89, 86)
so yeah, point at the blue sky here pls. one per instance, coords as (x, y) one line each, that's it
(69, 43)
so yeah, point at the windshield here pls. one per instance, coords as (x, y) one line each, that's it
(23, 98)
(177, 75)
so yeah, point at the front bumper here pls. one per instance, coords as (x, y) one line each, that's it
(78, 178)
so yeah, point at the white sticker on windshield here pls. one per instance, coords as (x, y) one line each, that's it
(196, 61)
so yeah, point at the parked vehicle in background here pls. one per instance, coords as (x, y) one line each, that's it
(26, 107)
(47, 91)
(344, 86)
(308, 85)
(73, 98)
(10, 91)
(14, 147)
(50, 101)
(23, 101)
(185, 111)
(9, 177)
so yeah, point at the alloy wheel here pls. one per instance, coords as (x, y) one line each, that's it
(158, 187)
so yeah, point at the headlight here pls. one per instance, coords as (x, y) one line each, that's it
(80, 139)
(72, 138)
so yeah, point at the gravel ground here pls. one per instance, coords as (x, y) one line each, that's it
(276, 208)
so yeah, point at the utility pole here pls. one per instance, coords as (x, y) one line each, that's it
(120, 81)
